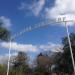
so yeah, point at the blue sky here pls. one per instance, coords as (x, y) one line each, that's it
(17, 14)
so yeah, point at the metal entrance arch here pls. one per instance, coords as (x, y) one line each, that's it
(40, 25)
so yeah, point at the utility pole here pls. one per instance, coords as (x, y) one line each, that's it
(70, 45)
(8, 66)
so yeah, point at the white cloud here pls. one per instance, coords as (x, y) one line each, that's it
(5, 22)
(4, 58)
(35, 8)
(62, 8)
(32, 48)
(26, 48)
(52, 47)
(19, 47)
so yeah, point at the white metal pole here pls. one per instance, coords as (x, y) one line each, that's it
(9, 58)
(70, 46)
